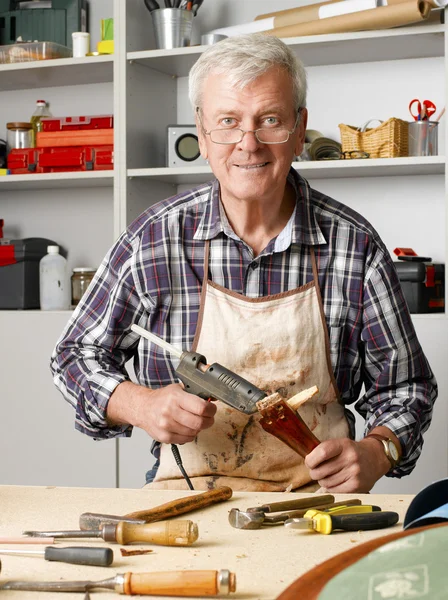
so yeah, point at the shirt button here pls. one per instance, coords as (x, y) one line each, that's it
(254, 266)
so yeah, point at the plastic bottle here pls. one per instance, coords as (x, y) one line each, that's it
(54, 281)
(42, 110)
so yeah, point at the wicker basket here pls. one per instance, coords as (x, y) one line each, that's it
(389, 140)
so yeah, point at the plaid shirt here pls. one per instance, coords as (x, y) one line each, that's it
(153, 274)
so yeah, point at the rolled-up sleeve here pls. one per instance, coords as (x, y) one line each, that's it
(400, 388)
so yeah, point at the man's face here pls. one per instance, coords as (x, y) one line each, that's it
(251, 170)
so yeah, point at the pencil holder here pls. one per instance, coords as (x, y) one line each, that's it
(423, 138)
(172, 27)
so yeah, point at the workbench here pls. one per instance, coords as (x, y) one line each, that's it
(266, 561)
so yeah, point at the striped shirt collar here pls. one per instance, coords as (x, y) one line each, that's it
(301, 229)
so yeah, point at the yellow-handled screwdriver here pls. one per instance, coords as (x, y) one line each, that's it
(349, 518)
(164, 533)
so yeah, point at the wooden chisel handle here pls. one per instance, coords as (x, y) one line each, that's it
(182, 505)
(89, 521)
(180, 583)
(310, 502)
(164, 533)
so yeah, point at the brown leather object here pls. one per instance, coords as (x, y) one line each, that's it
(309, 585)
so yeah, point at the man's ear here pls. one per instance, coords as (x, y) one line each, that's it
(201, 139)
(300, 132)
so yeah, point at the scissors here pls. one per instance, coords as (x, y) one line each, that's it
(421, 111)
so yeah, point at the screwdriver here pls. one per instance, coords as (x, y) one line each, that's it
(326, 522)
(164, 533)
(75, 555)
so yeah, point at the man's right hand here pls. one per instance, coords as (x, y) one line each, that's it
(169, 414)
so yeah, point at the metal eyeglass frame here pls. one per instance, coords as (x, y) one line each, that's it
(243, 132)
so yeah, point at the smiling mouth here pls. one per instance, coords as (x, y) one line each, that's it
(248, 167)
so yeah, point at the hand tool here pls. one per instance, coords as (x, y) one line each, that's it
(209, 381)
(168, 510)
(26, 540)
(75, 555)
(422, 111)
(326, 522)
(165, 583)
(256, 519)
(308, 502)
(164, 533)
(151, 5)
(196, 6)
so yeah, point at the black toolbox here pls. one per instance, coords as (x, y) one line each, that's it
(19, 272)
(423, 285)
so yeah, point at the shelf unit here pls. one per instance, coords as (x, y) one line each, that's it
(146, 95)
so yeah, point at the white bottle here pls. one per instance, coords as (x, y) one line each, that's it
(54, 281)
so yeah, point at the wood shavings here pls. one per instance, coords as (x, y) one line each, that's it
(241, 555)
(125, 552)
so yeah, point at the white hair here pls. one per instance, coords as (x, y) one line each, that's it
(245, 58)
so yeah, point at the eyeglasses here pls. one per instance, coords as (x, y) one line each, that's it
(278, 135)
(336, 155)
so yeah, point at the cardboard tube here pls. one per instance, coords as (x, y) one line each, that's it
(384, 17)
(313, 10)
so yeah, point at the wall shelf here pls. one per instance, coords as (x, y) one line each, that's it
(423, 165)
(422, 41)
(44, 181)
(57, 72)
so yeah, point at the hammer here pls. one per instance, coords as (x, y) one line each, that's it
(93, 521)
(255, 519)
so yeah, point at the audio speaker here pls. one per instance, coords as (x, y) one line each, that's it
(183, 147)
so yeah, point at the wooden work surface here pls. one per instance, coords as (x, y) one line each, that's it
(266, 561)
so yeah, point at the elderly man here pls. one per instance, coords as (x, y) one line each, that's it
(270, 278)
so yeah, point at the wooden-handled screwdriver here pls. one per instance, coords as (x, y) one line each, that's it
(166, 583)
(163, 533)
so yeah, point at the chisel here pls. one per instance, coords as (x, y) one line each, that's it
(167, 583)
(174, 508)
(75, 555)
(327, 522)
(164, 533)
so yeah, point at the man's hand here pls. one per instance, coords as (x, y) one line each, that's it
(345, 466)
(169, 415)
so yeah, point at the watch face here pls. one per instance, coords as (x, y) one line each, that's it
(393, 451)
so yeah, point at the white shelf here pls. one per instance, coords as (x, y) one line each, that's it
(42, 181)
(422, 41)
(57, 72)
(377, 167)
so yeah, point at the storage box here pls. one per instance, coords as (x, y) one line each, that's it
(423, 286)
(389, 140)
(84, 137)
(28, 51)
(77, 123)
(19, 272)
(58, 160)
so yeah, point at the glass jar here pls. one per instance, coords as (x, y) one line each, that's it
(20, 135)
(81, 278)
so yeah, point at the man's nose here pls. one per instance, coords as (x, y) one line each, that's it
(249, 141)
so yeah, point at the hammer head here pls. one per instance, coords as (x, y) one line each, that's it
(245, 520)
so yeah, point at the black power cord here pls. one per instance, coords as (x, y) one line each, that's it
(178, 460)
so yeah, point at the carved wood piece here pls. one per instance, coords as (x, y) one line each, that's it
(280, 420)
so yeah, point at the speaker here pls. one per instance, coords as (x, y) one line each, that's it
(183, 147)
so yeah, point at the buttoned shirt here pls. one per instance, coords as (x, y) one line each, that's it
(153, 274)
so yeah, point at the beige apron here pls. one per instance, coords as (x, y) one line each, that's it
(280, 344)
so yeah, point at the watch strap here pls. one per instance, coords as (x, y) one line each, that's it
(385, 441)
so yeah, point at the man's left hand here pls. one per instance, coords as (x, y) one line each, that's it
(345, 466)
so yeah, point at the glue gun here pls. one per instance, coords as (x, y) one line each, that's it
(209, 381)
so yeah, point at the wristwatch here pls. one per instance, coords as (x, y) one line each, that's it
(390, 448)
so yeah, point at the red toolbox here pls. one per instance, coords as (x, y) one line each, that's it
(77, 137)
(77, 123)
(57, 160)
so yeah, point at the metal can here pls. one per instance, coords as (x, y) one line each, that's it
(81, 278)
